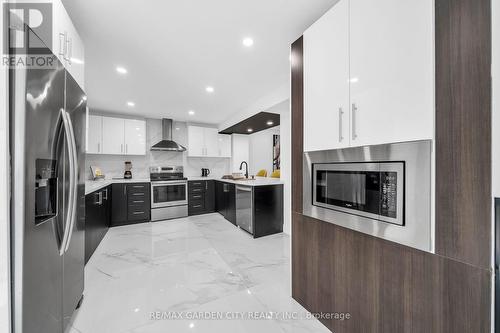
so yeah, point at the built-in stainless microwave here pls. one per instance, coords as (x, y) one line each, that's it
(368, 189)
(381, 190)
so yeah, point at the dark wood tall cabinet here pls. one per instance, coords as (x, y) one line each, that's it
(97, 219)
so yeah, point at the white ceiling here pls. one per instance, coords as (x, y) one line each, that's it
(174, 49)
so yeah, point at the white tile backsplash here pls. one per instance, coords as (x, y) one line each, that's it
(113, 165)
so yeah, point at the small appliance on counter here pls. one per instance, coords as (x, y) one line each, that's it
(96, 173)
(128, 170)
(205, 172)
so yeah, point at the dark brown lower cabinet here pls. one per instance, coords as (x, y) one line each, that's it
(97, 219)
(385, 287)
(225, 195)
(131, 203)
(201, 197)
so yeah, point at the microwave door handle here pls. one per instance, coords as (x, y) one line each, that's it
(73, 184)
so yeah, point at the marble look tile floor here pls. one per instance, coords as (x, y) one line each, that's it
(190, 266)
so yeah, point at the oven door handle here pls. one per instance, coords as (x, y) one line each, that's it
(169, 183)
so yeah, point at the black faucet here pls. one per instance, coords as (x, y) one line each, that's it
(241, 167)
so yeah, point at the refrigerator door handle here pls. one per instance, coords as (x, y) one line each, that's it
(73, 187)
(69, 212)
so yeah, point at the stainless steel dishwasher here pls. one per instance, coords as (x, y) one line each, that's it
(244, 208)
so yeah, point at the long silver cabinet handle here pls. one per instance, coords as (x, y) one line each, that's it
(62, 44)
(67, 223)
(74, 188)
(354, 110)
(341, 113)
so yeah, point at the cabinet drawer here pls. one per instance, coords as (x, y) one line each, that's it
(196, 206)
(138, 200)
(138, 213)
(138, 188)
(197, 186)
(196, 196)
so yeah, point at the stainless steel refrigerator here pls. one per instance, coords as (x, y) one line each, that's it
(47, 127)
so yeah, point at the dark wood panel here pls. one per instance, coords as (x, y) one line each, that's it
(463, 134)
(297, 74)
(384, 286)
(257, 123)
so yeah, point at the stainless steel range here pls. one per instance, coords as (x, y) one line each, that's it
(168, 193)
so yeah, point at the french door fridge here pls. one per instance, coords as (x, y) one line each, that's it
(47, 128)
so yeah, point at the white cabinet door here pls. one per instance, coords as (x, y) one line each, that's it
(94, 135)
(326, 80)
(135, 137)
(392, 80)
(224, 145)
(196, 138)
(211, 142)
(66, 43)
(75, 56)
(113, 130)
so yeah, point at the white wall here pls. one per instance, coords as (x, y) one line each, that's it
(261, 150)
(240, 151)
(113, 165)
(4, 196)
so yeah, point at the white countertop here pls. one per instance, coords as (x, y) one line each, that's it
(202, 178)
(258, 181)
(94, 185)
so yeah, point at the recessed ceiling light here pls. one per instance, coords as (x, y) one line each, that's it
(131, 104)
(270, 122)
(191, 325)
(177, 128)
(121, 70)
(247, 41)
(249, 130)
(209, 89)
(191, 112)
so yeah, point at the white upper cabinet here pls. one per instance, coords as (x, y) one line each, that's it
(206, 142)
(113, 131)
(369, 74)
(94, 135)
(116, 136)
(224, 145)
(196, 141)
(326, 80)
(211, 141)
(135, 137)
(66, 43)
(392, 71)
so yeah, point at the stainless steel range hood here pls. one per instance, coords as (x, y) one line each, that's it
(167, 144)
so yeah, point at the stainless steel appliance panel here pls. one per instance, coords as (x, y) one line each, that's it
(244, 208)
(74, 258)
(44, 195)
(37, 263)
(167, 213)
(169, 193)
(350, 186)
(417, 230)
